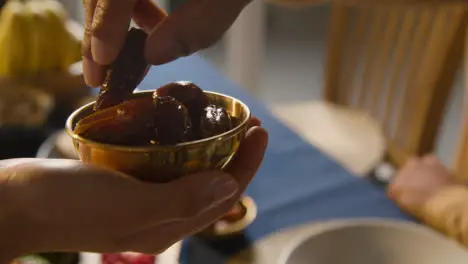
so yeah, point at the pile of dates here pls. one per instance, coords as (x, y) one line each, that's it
(176, 113)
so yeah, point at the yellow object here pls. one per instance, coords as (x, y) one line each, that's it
(35, 38)
(38, 47)
(13, 38)
(61, 44)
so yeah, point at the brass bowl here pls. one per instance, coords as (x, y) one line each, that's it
(164, 163)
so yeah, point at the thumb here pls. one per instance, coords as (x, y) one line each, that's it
(190, 195)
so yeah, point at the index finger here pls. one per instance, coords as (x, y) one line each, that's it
(93, 72)
(109, 27)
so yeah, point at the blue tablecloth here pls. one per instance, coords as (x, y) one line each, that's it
(296, 183)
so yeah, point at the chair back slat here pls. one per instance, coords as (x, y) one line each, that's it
(461, 154)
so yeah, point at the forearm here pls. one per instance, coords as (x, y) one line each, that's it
(447, 211)
(13, 241)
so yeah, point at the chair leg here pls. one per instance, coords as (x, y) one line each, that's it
(245, 45)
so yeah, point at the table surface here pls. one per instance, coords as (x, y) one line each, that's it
(296, 183)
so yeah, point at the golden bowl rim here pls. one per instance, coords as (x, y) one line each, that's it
(153, 148)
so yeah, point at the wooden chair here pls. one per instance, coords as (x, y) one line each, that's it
(460, 165)
(461, 160)
(389, 72)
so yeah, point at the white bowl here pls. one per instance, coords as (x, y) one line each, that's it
(374, 242)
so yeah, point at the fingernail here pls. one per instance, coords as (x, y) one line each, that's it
(223, 187)
(93, 73)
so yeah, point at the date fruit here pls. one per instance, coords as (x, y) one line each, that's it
(176, 113)
(123, 124)
(139, 122)
(215, 121)
(125, 73)
(172, 122)
(189, 95)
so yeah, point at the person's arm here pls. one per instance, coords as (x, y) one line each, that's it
(12, 242)
(447, 211)
(426, 189)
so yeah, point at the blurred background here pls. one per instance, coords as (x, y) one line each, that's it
(291, 65)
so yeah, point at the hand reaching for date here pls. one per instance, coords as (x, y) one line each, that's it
(55, 205)
(194, 26)
(418, 181)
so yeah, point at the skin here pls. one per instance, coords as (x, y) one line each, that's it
(65, 205)
(187, 30)
(418, 181)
